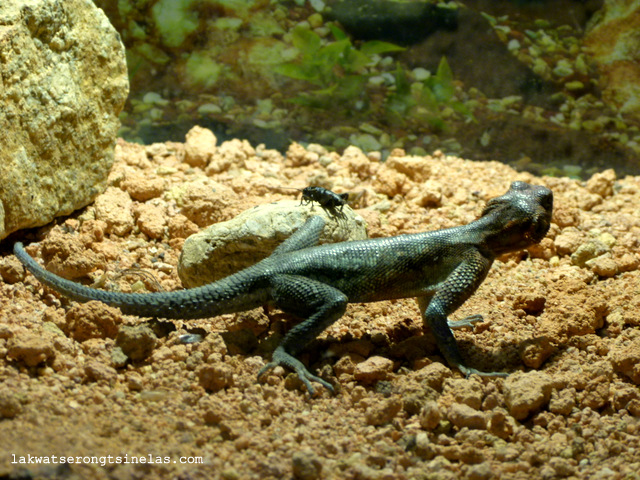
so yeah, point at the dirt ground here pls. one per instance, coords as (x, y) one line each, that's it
(79, 382)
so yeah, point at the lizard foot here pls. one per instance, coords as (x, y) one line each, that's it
(469, 321)
(468, 371)
(282, 358)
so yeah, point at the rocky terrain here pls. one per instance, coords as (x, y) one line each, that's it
(128, 397)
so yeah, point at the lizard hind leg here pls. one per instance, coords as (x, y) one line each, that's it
(320, 304)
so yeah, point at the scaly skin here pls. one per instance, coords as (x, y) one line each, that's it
(442, 269)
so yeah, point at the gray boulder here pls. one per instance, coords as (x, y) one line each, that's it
(228, 247)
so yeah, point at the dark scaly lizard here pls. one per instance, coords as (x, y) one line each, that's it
(441, 268)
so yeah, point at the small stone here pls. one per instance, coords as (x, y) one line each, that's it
(588, 251)
(430, 415)
(114, 207)
(602, 183)
(625, 359)
(568, 241)
(143, 188)
(526, 393)
(482, 471)
(99, 372)
(603, 266)
(563, 68)
(31, 349)
(574, 85)
(10, 406)
(373, 369)
(500, 424)
(366, 142)
(11, 270)
(532, 304)
(466, 391)
(137, 342)
(433, 375)
(306, 465)
(383, 412)
(562, 467)
(154, 98)
(151, 220)
(534, 352)
(462, 415)
(199, 147)
(209, 109)
(93, 319)
(421, 74)
(118, 358)
(215, 377)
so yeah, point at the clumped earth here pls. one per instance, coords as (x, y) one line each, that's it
(563, 317)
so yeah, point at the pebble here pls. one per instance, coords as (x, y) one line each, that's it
(526, 393)
(462, 415)
(574, 85)
(306, 465)
(373, 369)
(137, 342)
(421, 74)
(153, 98)
(563, 68)
(513, 45)
(365, 142)
(209, 109)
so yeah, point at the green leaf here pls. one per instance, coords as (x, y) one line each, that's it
(463, 110)
(351, 86)
(306, 41)
(325, 92)
(428, 99)
(441, 84)
(437, 123)
(402, 82)
(376, 47)
(329, 55)
(295, 71)
(444, 72)
(337, 33)
(442, 92)
(354, 60)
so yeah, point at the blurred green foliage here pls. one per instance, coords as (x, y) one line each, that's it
(425, 100)
(337, 68)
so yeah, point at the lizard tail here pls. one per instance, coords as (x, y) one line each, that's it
(232, 294)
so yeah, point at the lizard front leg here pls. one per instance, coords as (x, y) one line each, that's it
(452, 293)
(306, 236)
(320, 304)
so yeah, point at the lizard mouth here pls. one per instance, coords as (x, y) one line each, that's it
(539, 228)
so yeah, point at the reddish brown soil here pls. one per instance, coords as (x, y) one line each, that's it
(563, 316)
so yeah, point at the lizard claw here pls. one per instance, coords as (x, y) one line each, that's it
(468, 371)
(282, 358)
(469, 321)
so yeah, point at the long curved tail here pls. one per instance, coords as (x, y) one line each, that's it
(235, 293)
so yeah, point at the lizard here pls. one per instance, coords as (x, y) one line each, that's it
(441, 268)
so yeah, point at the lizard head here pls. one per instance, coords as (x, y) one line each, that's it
(520, 218)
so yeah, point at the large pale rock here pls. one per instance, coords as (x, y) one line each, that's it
(63, 82)
(228, 247)
(614, 43)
